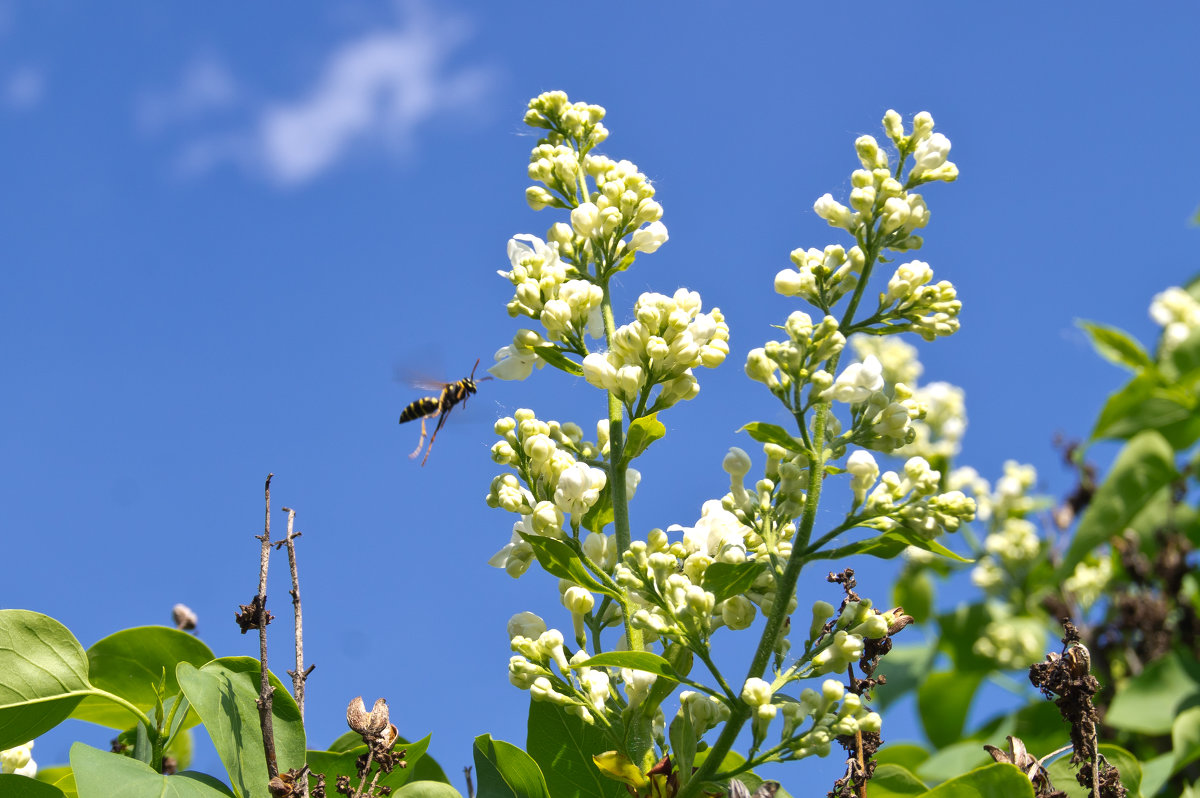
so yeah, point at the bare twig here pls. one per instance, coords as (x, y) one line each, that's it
(862, 767)
(265, 690)
(470, 786)
(299, 675)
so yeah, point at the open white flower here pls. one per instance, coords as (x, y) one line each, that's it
(857, 382)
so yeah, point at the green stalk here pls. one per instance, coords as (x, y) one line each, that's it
(616, 471)
(784, 590)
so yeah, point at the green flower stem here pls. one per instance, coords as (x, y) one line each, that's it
(616, 470)
(785, 588)
(701, 651)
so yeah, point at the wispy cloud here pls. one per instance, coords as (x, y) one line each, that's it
(22, 88)
(206, 86)
(372, 94)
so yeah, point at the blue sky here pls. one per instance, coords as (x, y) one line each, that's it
(223, 229)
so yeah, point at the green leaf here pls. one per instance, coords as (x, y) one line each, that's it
(1185, 739)
(600, 513)
(1185, 357)
(943, 700)
(907, 755)
(559, 559)
(130, 663)
(953, 760)
(886, 545)
(770, 433)
(505, 771)
(555, 357)
(1149, 702)
(1143, 466)
(998, 780)
(427, 789)
(905, 667)
(1155, 773)
(563, 745)
(99, 774)
(60, 776)
(14, 786)
(342, 763)
(959, 631)
(425, 769)
(893, 781)
(1146, 404)
(725, 580)
(224, 693)
(634, 660)
(43, 675)
(642, 432)
(1063, 774)
(914, 592)
(1039, 725)
(1116, 346)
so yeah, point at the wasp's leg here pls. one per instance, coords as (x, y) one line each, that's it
(432, 438)
(421, 443)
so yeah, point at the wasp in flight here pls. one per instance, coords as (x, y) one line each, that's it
(453, 393)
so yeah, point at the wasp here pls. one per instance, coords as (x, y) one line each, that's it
(453, 393)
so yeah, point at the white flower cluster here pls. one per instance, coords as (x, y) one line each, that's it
(834, 713)
(912, 501)
(822, 277)
(19, 760)
(857, 623)
(1012, 543)
(1012, 642)
(552, 481)
(940, 430)
(882, 422)
(1178, 313)
(929, 310)
(702, 711)
(780, 365)
(669, 338)
(1089, 579)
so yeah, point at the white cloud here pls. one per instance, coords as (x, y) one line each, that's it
(372, 93)
(206, 86)
(23, 88)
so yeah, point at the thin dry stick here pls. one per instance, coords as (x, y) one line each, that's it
(299, 675)
(265, 691)
(862, 766)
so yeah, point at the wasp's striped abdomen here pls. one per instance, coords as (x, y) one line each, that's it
(422, 408)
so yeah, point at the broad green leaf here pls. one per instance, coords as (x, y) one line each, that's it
(1116, 346)
(600, 513)
(1146, 404)
(725, 580)
(427, 789)
(99, 774)
(425, 769)
(905, 667)
(646, 661)
(1185, 357)
(43, 675)
(1063, 774)
(914, 592)
(959, 631)
(60, 776)
(1155, 773)
(893, 781)
(130, 663)
(1185, 738)
(554, 356)
(642, 432)
(907, 755)
(563, 745)
(224, 693)
(998, 780)
(953, 760)
(505, 771)
(770, 433)
(14, 786)
(682, 736)
(1144, 465)
(943, 700)
(1149, 702)
(342, 763)
(558, 559)
(887, 545)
